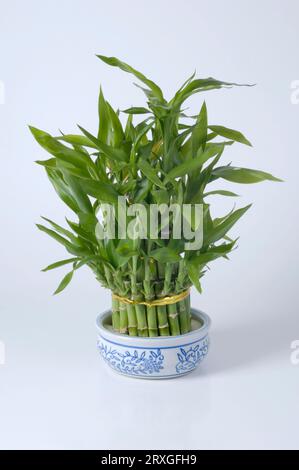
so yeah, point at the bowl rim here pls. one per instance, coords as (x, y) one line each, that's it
(126, 339)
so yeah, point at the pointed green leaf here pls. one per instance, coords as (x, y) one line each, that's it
(165, 255)
(61, 230)
(199, 85)
(221, 192)
(150, 173)
(78, 192)
(230, 134)
(62, 189)
(117, 134)
(104, 120)
(242, 175)
(189, 166)
(77, 140)
(114, 62)
(65, 281)
(199, 133)
(50, 163)
(58, 264)
(129, 129)
(136, 110)
(220, 230)
(71, 248)
(117, 154)
(102, 191)
(60, 151)
(193, 273)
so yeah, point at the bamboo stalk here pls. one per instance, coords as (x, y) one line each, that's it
(184, 317)
(139, 309)
(173, 319)
(151, 312)
(132, 320)
(115, 315)
(172, 313)
(162, 313)
(123, 323)
(152, 321)
(188, 308)
(184, 307)
(163, 320)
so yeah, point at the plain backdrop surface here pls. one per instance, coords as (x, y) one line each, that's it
(54, 391)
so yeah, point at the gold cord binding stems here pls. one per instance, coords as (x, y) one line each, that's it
(168, 300)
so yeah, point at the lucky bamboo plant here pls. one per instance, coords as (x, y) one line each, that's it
(167, 158)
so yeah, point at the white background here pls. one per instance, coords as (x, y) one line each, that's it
(54, 391)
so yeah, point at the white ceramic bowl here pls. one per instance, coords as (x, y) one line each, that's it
(154, 358)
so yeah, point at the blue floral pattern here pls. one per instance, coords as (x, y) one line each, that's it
(188, 359)
(132, 363)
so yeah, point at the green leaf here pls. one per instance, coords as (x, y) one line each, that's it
(114, 62)
(77, 140)
(230, 134)
(189, 166)
(129, 129)
(224, 248)
(165, 255)
(160, 196)
(58, 264)
(71, 248)
(88, 259)
(140, 132)
(221, 192)
(117, 134)
(126, 248)
(65, 281)
(60, 151)
(193, 273)
(61, 230)
(104, 120)
(202, 259)
(142, 189)
(62, 190)
(78, 192)
(150, 173)
(136, 110)
(62, 165)
(117, 154)
(50, 163)
(221, 229)
(242, 175)
(102, 191)
(199, 133)
(199, 85)
(196, 262)
(186, 82)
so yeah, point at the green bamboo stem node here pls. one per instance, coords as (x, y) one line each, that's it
(184, 317)
(188, 308)
(132, 319)
(149, 294)
(142, 327)
(137, 295)
(123, 327)
(152, 321)
(162, 318)
(173, 319)
(115, 315)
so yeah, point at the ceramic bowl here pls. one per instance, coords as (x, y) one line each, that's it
(154, 358)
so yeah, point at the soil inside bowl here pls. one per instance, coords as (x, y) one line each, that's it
(196, 323)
